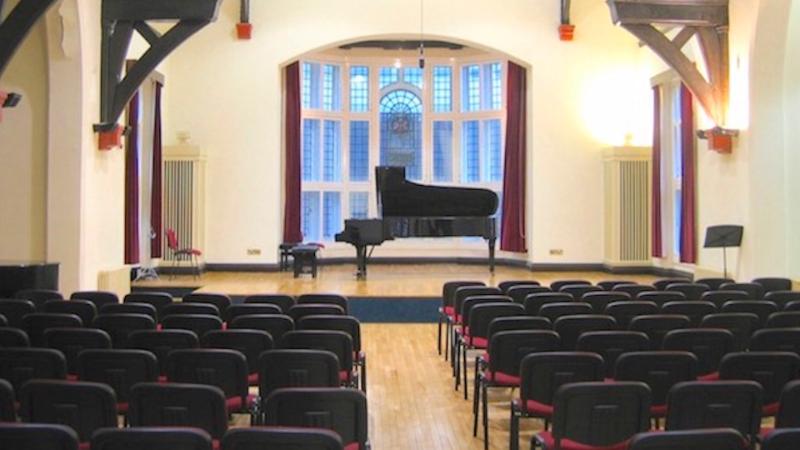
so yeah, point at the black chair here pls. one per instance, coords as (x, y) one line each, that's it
(281, 438)
(15, 309)
(119, 369)
(719, 298)
(84, 309)
(789, 406)
(250, 309)
(696, 405)
(742, 325)
(151, 438)
(130, 308)
(578, 290)
(772, 370)
(693, 309)
(38, 296)
(771, 284)
(611, 344)
(519, 293)
(521, 323)
(785, 439)
(534, 302)
(782, 298)
(221, 301)
(714, 439)
(37, 436)
(692, 291)
(223, 368)
(324, 299)
(465, 307)
(553, 311)
(754, 291)
(447, 312)
(13, 337)
(19, 365)
(83, 406)
(609, 285)
(657, 325)
(98, 298)
(714, 283)
(283, 301)
(3, 321)
(596, 415)
(120, 326)
(709, 345)
(250, 343)
(776, 340)
(159, 300)
(71, 341)
(792, 306)
(660, 370)
(200, 324)
(184, 309)
(296, 368)
(633, 289)
(624, 312)
(299, 311)
(161, 342)
(508, 284)
(275, 324)
(558, 284)
(761, 308)
(341, 410)
(349, 325)
(35, 324)
(569, 328)
(176, 404)
(661, 298)
(8, 411)
(783, 319)
(337, 342)
(599, 300)
(662, 283)
(462, 293)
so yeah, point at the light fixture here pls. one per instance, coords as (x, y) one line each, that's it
(397, 63)
(421, 40)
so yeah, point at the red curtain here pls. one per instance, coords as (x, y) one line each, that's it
(512, 228)
(291, 208)
(657, 238)
(156, 187)
(688, 220)
(132, 183)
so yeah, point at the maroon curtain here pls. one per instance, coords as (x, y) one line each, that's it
(156, 186)
(132, 183)
(512, 228)
(657, 238)
(688, 220)
(291, 208)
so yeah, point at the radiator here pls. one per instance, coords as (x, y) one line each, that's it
(117, 281)
(184, 198)
(627, 206)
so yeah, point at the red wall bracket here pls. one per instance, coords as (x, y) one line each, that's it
(108, 140)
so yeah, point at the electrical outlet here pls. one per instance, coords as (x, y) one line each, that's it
(557, 251)
(253, 251)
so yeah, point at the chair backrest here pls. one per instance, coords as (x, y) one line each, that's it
(341, 410)
(578, 290)
(470, 302)
(283, 301)
(788, 415)
(18, 365)
(176, 404)
(624, 312)
(299, 311)
(786, 439)
(693, 309)
(8, 411)
(558, 284)
(158, 299)
(152, 438)
(120, 326)
(608, 285)
(449, 290)
(534, 302)
(15, 309)
(661, 297)
(520, 293)
(172, 239)
(281, 438)
(296, 368)
(38, 296)
(223, 368)
(633, 289)
(611, 344)
(782, 298)
(783, 319)
(161, 342)
(130, 308)
(761, 308)
(221, 301)
(275, 324)
(715, 404)
(755, 291)
(742, 325)
(771, 284)
(481, 316)
(709, 345)
(714, 283)
(347, 324)
(337, 342)
(182, 309)
(599, 300)
(552, 311)
(71, 341)
(463, 292)
(508, 348)
(515, 323)
(250, 309)
(250, 343)
(325, 299)
(660, 370)
(657, 325)
(776, 340)
(662, 283)
(84, 309)
(571, 327)
(198, 323)
(120, 369)
(37, 436)
(600, 414)
(508, 284)
(83, 406)
(99, 298)
(770, 369)
(35, 324)
(719, 298)
(13, 337)
(542, 374)
(714, 439)
(692, 291)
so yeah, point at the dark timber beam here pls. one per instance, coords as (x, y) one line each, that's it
(120, 18)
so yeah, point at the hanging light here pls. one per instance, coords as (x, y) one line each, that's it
(421, 40)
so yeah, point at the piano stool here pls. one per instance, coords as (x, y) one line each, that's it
(286, 251)
(305, 259)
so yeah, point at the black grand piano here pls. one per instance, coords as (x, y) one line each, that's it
(416, 210)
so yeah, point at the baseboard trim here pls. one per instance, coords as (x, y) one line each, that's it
(241, 267)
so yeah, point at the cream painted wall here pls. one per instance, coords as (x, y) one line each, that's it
(792, 149)
(227, 95)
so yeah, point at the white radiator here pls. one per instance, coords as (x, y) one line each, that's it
(627, 206)
(117, 281)
(184, 198)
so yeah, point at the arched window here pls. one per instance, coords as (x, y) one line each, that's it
(401, 131)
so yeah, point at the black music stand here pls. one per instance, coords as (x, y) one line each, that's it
(724, 236)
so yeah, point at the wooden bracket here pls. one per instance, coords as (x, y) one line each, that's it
(17, 25)
(120, 19)
(706, 19)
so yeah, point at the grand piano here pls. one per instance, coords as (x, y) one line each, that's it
(416, 210)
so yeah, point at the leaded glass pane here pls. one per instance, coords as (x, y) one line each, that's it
(359, 205)
(442, 89)
(359, 150)
(310, 207)
(332, 151)
(401, 131)
(413, 75)
(470, 88)
(332, 215)
(497, 86)
(493, 149)
(470, 151)
(311, 141)
(310, 86)
(387, 76)
(442, 151)
(331, 88)
(359, 89)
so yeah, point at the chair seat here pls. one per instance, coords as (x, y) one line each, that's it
(770, 409)
(122, 408)
(345, 376)
(658, 411)
(502, 379)
(234, 404)
(713, 376)
(84, 446)
(72, 377)
(535, 409)
(449, 311)
(567, 444)
(188, 251)
(765, 432)
(252, 379)
(352, 446)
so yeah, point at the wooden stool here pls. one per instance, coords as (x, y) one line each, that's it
(305, 259)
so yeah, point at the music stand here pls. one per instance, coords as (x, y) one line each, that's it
(724, 236)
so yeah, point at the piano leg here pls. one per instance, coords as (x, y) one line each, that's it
(491, 254)
(361, 262)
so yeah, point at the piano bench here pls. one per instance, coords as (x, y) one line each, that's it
(305, 259)
(286, 251)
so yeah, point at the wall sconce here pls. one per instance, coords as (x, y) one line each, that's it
(719, 139)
